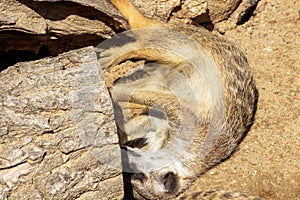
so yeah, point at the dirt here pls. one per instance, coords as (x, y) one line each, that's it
(267, 163)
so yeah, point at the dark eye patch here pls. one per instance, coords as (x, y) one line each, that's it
(137, 143)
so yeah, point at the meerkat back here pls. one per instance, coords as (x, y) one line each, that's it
(182, 108)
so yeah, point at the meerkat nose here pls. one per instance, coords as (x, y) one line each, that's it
(139, 176)
(170, 181)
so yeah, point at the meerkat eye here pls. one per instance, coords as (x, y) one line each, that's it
(170, 182)
(137, 143)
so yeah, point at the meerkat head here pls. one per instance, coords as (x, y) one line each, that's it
(160, 174)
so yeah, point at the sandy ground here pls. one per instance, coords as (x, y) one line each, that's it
(267, 163)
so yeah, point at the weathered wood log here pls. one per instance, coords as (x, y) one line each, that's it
(58, 137)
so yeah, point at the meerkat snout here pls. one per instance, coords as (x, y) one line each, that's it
(165, 184)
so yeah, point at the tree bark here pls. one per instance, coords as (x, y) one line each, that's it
(58, 137)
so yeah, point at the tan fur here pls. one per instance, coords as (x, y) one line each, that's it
(192, 98)
(134, 17)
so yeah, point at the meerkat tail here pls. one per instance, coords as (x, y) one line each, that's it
(135, 18)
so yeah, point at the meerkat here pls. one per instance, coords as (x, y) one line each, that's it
(184, 98)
